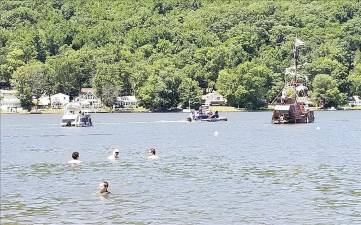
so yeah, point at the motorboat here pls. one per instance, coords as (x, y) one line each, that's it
(74, 117)
(331, 109)
(205, 115)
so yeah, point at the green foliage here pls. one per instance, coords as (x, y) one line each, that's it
(290, 92)
(355, 80)
(325, 92)
(246, 86)
(108, 82)
(73, 70)
(30, 80)
(190, 93)
(160, 91)
(168, 52)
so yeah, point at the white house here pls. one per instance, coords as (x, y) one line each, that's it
(213, 98)
(127, 101)
(42, 102)
(8, 101)
(356, 101)
(59, 100)
(88, 99)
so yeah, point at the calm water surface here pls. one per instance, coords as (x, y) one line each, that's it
(244, 171)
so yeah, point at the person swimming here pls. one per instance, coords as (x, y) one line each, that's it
(115, 155)
(75, 157)
(151, 154)
(103, 188)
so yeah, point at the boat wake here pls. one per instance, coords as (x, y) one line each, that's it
(172, 121)
(161, 121)
(141, 122)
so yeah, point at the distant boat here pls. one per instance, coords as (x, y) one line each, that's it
(294, 108)
(73, 117)
(332, 109)
(205, 115)
(35, 112)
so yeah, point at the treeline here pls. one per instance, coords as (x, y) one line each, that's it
(168, 52)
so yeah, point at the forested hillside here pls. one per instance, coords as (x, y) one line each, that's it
(170, 51)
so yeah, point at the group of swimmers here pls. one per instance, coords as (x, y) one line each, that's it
(103, 186)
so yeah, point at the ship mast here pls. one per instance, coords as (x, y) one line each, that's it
(296, 53)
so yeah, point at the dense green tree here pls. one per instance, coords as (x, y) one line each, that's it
(11, 62)
(30, 80)
(107, 83)
(73, 70)
(160, 92)
(325, 92)
(246, 86)
(355, 80)
(190, 93)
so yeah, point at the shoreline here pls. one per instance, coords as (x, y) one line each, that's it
(222, 110)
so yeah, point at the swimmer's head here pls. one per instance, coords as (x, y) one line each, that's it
(152, 151)
(75, 155)
(116, 152)
(103, 187)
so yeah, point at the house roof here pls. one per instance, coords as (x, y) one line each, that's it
(212, 96)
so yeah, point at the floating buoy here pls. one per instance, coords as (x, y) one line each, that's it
(215, 133)
(317, 128)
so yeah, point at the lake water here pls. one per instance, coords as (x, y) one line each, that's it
(244, 171)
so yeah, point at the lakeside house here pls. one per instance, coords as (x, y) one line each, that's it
(213, 98)
(126, 101)
(9, 102)
(59, 100)
(88, 99)
(43, 102)
(354, 101)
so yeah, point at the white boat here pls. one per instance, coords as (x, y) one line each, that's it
(332, 109)
(205, 115)
(74, 117)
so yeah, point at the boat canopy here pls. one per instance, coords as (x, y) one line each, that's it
(73, 106)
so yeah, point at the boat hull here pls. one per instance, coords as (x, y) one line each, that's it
(290, 114)
(74, 124)
(76, 120)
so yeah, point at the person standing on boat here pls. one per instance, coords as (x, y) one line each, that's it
(215, 115)
(75, 159)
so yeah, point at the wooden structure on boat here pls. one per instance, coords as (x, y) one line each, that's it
(293, 104)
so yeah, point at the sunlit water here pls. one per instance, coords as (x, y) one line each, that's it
(244, 171)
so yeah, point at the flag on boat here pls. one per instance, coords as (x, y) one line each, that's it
(298, 42)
